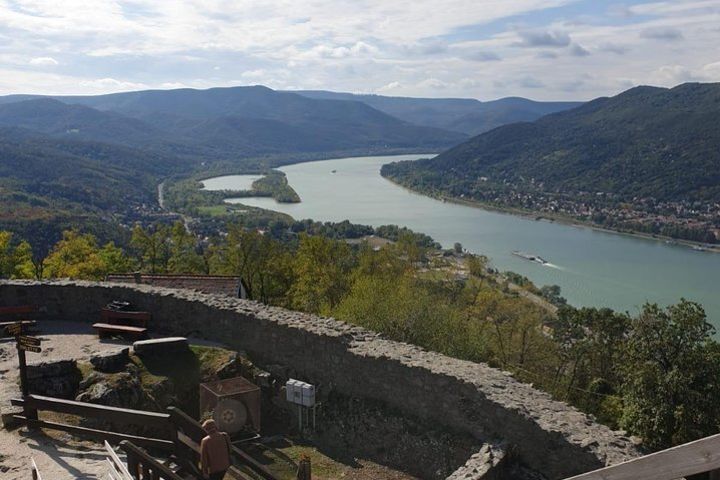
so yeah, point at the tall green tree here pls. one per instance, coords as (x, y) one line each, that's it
(77, 256)
(322, 267)
(183, 250)
(672, 376)
(152, 248)
(263, 263)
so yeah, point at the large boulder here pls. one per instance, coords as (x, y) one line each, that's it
(114, 362)
(161, 346)
(54, 379)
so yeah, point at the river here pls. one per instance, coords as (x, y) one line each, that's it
(592, 268)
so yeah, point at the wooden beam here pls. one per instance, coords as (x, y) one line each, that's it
(159, 470)
(117, 465)
(194, 433)
(98, 434)
(35, 470)
(18, 309)
(91, 410)
(691, 458)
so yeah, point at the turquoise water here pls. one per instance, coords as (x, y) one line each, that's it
(592, 268)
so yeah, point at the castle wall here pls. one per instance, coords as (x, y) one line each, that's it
(548, 436)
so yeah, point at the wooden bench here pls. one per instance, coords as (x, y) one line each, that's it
(122, 322)
(21, 314)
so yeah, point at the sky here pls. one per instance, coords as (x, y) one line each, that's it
(484, 49)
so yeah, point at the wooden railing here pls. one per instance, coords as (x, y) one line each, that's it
(142, 466)
(35, 470)
(116, 469)
(700, 456)
(120, 416)
(182, 436)
(191, 433)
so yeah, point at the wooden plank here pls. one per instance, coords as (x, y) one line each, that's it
(35, 470)
(253, 464)
(691, 458)
(110, 327)
(119, 465)
(192, 433)
(98, 434)
(18, 310)
(188, 442)
(112, 414)
(133, 314)
(147, 461)
(23, 322)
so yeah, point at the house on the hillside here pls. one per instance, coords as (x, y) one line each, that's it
(232, 286)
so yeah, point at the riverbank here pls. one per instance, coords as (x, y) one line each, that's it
(558, 218)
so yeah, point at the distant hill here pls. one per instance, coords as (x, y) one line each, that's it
(464, 115)
(223, 123)
(645, 142)
(76, 122)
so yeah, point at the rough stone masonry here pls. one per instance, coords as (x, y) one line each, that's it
(548, 436)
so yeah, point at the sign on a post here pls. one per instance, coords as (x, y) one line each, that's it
(29, 348)
(28, 341)
(14, 329)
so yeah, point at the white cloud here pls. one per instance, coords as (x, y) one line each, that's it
(43, 61)
(389, 87)
(403, 47)
(111, 84)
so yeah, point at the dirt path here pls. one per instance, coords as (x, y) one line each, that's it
(57, 454)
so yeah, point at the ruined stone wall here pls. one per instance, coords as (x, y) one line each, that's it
(548, 436)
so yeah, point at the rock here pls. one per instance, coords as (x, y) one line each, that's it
(121, 390)
(487, 464)
(56, 379)
(114, 362)
(161, 346)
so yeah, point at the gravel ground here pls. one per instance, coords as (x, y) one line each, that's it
(57, 454)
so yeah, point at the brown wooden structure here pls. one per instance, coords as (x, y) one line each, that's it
(179, 437)
(122, 322)
(23, 314)
(698, 457)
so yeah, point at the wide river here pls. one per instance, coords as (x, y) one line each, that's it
(593, 268)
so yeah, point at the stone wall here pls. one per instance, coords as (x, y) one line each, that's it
(548, 436)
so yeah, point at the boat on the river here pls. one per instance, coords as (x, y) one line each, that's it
(531, 257)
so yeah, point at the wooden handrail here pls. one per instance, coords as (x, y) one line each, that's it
(194, 433)
(91, 410)
(140, 461)
(116, 465)
(35, 470)
(700, 456)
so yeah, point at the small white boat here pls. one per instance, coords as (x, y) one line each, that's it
(531, 257)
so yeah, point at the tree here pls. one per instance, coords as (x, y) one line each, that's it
(183, 254)
(152, 248)
(75, 256)
(15, 260)
(322, 268)
(262, 263)
(24, 264)
(671, 389)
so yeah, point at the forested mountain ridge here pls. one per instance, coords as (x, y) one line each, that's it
(644, 142)
(656, 149)
(226, 123)
(464, 115)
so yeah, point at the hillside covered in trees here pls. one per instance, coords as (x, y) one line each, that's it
(648, 149)
(646, 373)
(221, 123)
(465, 115)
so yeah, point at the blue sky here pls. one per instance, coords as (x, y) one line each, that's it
(485, 49)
